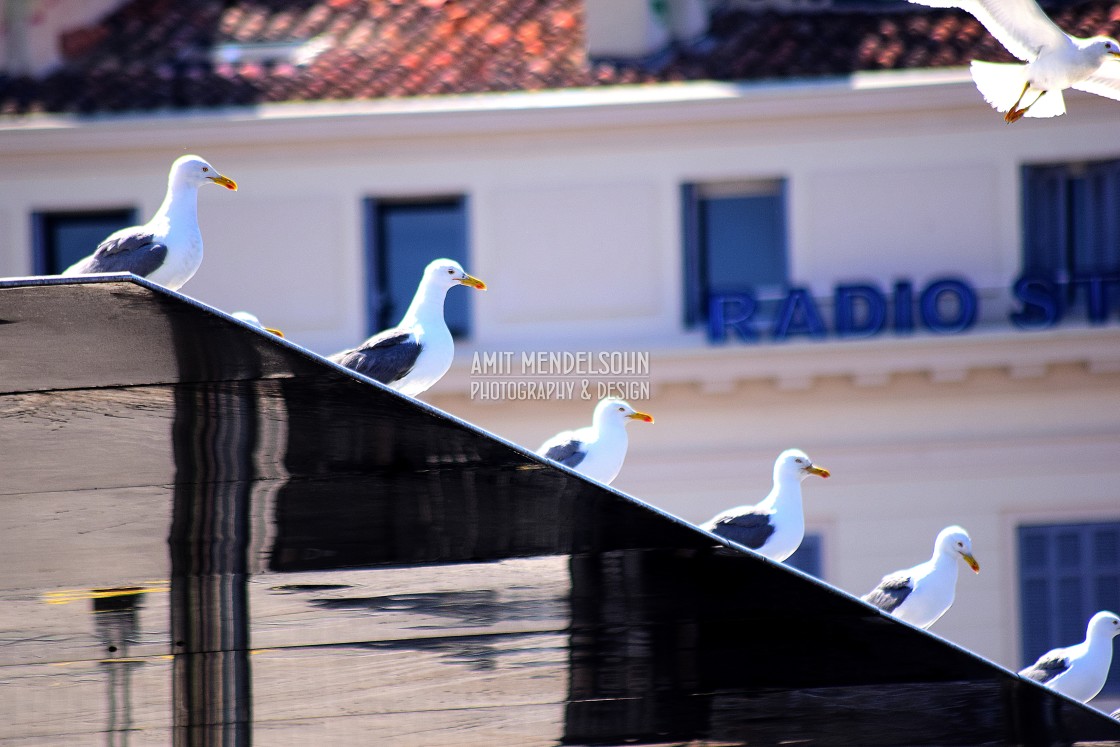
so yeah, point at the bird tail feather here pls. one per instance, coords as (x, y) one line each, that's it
(1001, 83)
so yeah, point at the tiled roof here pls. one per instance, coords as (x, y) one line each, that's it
(162, 54)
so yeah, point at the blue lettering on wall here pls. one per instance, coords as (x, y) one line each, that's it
(944, 306)
(859, 310)
(1042, 303)
(798, 315)
(931, 305)
(734, 311)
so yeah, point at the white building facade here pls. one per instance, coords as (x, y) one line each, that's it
(579, 210)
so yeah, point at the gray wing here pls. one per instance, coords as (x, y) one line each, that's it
(569, 453)
(1019, 25)
(891, 592)
(750, 529)
(138, 253)
(1047, 667)
(386, 357)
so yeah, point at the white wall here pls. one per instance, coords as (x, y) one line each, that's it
(575, 226)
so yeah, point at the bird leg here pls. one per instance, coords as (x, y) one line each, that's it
(1014, 114)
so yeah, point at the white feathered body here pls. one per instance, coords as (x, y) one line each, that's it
(933, 592)
(605, 448)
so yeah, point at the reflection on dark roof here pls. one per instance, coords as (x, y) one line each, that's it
(211, 53)
(214, 536)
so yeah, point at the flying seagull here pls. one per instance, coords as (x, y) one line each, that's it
(922, 594)
(1055, 60)
(1079, 671)
(415, 354)
(597, 450)
(168, 248)
(775, 526)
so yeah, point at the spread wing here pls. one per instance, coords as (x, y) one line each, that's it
(1019, 25)
(567, 451)
(1049, 666)
(137, 252)
(750, 528)
(386, 357)
(1105, 82)
(891, 592)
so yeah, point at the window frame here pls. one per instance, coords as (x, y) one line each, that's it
(697, 289)
(43, 222)
(378, 292)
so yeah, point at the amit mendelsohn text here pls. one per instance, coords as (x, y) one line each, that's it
(566, 363)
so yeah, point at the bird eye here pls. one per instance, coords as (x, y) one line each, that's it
(450, 272)
(204, 169)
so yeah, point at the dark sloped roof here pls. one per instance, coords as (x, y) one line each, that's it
(329, 562)
(161, 54)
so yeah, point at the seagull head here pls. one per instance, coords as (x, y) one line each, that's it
(1105, 624)
(195, 171)
(446, 273)
(1105, 47)
(954, 539)
(617, 410)
(796, 464)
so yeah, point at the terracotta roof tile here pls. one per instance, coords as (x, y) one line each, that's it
(158, 54)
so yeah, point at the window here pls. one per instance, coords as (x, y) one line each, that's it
(1068, 573)
(62, 238)
(1071, 230)
(734, 242)
(403, 236)
(807, 558)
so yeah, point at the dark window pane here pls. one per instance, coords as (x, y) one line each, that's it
(735, 241)
(1068, 546)
(62, 238)
(1106, 547)
(407, 236)
(1033, 551)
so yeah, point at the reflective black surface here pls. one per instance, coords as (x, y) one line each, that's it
(213, 537)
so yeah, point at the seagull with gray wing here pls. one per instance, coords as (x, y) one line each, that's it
(599, 449)
(922, 594)
(775, 526)
(168, 248)
(1079, 671)
(415, 354)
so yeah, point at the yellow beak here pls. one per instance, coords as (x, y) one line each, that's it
(813, 469)
(276, 332)
(225, 181)
(473, 282)
(971, 562)
(645, 418)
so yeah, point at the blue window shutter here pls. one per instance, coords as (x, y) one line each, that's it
(695, 290)
(1045, 221)
(1067, 572)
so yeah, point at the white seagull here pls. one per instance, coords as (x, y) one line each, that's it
(1055, 60)
(253, 321)
(775, 526)
(922, 594)
(1080, 671)
(168, 248)
(415, 354)
(599, 449)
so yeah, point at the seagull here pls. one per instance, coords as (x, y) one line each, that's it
(168, 248)
(776, 525)
(251, 319)
(596, 450)
(415, 354)
(922, 594)
(1055, 60)
(1079, 671)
